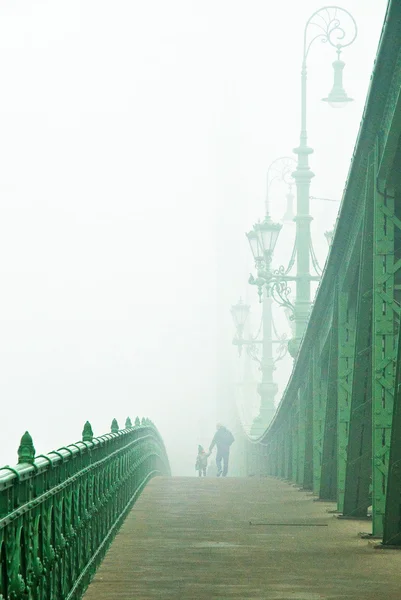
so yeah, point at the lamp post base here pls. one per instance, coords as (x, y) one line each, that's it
(261, 422)
(293, 346)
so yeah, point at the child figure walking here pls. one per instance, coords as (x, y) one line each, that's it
(201, 461)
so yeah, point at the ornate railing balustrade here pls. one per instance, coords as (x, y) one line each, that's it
(60, 511)
(337, 430)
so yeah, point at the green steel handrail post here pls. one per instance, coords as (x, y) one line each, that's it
(26, 450)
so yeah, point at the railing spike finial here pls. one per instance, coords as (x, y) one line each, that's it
(143, 422)
(137, 422)
(26, 450)
(87, 433)
(128, 423)
(114, 426)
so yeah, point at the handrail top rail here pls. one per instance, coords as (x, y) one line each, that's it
(55, 458)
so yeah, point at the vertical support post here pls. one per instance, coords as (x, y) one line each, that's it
(383, 344)
(328, 481)
(319, 413)
(281, 444)
(346, 347)
(392, 520)
(302, 434)
(359, 464)
(295, 440)
(287, 442)
(308, 467)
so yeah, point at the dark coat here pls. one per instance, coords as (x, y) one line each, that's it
(223, 438)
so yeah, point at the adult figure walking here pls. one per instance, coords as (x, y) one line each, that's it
(223, 438)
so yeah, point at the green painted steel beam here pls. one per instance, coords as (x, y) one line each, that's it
(385, 311)
(328, 481)
(392, 518)
(308, 465)
(301, 400)
(357, 498)
(346, 349)
(320, 374)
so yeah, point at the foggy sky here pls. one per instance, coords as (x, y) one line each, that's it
(135, 139)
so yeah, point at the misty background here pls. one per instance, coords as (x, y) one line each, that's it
(134, 143)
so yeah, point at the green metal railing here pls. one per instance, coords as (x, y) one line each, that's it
(59, 512)
(337, 429)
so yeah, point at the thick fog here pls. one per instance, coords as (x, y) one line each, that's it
(135, 138)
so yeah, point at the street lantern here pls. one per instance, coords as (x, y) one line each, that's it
(268, 234)
(240, 312)
(338, 96)
(289, 212)
(254, 243)
(329, 237)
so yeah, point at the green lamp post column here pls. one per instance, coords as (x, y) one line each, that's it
(326, 22)
(262, 240)
(267, 388)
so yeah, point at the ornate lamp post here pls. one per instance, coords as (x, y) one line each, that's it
(329, 236)
(262, 240)
(239, 313)
(267, 389)
(327, 24)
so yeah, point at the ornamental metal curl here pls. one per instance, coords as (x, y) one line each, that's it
(328, 21)
(280, 169)
(280, 272)
(253, 350)
(282, 349)
(280, 291)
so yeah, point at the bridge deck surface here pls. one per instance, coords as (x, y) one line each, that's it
(190, 539)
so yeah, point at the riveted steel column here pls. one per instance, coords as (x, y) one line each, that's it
(276, 454)
(359, 463)
(287, 449)
(319, 413)
(328, 482)
(280, 447)
(302, 434)
(384, 345)
(308, 467)
(392, 519)
(346, 348)
(295, 440)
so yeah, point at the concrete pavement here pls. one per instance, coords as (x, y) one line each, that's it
(191, 538)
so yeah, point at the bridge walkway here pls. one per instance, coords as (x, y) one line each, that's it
(189, 538)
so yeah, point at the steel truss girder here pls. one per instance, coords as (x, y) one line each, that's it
(320, 381)
(359, 455)
(328, 477)
(308, 416)
(392, 521)
(384, 344)
(346, 348)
